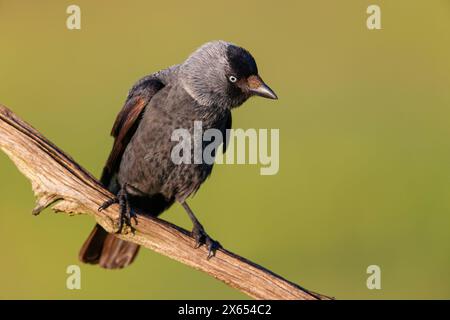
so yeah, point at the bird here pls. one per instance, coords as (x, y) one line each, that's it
(216, 78)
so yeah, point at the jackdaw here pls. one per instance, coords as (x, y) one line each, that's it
(216, 78)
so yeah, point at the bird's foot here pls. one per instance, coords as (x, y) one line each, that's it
(202, 238)
(126, 213)
(108, 204)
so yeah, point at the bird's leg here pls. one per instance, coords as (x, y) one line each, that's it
(125, 210)
(199, 233)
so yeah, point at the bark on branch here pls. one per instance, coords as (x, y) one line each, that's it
(58, 181)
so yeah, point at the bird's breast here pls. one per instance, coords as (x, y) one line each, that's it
(172, 127)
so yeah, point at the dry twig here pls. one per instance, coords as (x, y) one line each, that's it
(58, 181)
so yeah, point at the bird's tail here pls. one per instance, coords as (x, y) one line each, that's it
(107, 250)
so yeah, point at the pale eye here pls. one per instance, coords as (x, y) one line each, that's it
(232, 79)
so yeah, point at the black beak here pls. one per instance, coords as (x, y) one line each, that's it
(259, 88)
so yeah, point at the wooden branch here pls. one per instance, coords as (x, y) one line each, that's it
(58, 181)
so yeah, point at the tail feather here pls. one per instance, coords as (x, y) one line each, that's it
(107, 250)
(117, 253)
(92, 248)
(110, 252)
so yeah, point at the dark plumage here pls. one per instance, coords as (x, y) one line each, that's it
(217, 77)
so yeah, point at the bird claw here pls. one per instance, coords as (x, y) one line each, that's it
(212, 246)
(202, 238)
(108, 204)
(126, 213)
(126, 216)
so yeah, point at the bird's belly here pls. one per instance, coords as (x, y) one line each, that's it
(147, 166)
(185, 179)
(146, 162)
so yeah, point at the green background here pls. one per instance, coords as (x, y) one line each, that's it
(364, 119)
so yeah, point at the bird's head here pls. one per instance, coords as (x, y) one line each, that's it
(221, 73)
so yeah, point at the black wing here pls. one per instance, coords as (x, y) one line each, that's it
(127, 122)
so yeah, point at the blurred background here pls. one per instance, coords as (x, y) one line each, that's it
(364, 119)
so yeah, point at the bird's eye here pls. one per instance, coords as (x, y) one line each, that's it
(232, 79)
